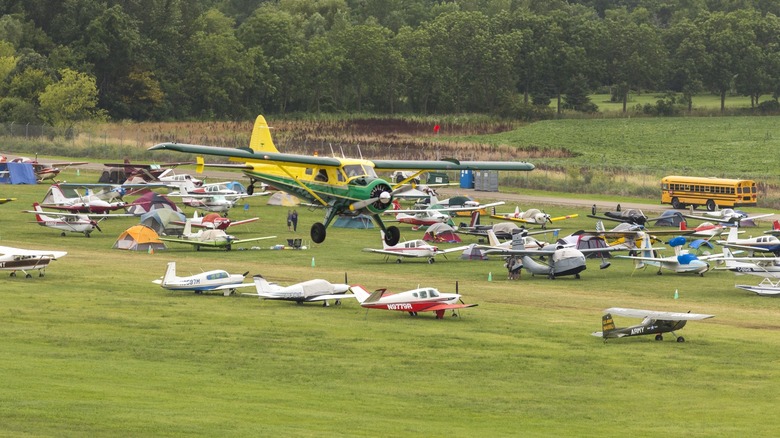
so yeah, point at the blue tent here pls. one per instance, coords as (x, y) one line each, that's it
(17, 173)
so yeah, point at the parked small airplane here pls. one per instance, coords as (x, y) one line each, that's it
(425, 299)
(215, 221)
(70, 222)
(411, 248)
(46, 171)
(681, 262)
(752, 245)
(767, 288)
(210, 238)
(304, 292)
(564, 258)
(766, 267)
(136, 173)
(434, 214)
(531, 216)
(17, 259)
(631, 216)
(725, 216)
(101, 202)
(341, 186)
(653, 322)
(775, 231)
(216, 280)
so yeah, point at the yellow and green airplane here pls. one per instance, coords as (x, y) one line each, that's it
(343, 186)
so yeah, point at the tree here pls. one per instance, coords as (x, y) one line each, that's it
(73, 98)
(688, 59)
(725, 40)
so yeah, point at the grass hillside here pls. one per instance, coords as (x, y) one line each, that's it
(95, 349)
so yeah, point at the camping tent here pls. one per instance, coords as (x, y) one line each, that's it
(17, 173)
(360, 221)
(441, 233)
(139, 238)
(283, 199)
(670, 218)
(162, 220)
(151, 201)
(472, 252)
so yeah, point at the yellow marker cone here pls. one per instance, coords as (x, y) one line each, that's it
(490, 276)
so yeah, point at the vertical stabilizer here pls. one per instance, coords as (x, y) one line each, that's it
(475, 218)
(607, 324)
(39, 216)
(492, 239)
(360, 293)
(261, 137)
(262, 286)
(170, 273)
(733, 235)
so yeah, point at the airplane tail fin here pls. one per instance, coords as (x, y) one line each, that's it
(361, 294)
(38, 216)
(262, 285)
(776, 225)
(475, 218)
(187, 228)
(607, 324)
(733, 234)
(170, 273)
(57, 197)
(261, 137)
(600, 227)
(492, 238)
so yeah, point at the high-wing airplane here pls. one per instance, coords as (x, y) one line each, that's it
(136, 173)
(434, 214)
(766, 267)
(681, 262)
(210, 238)
(216, 280)
(424, 299)
(631, 216)
(46, 171)
(653, 322)
(342, 186)
(214, 221)
(564, 258)
(65, 222)
(725, 216)
(17, 259)
(304, 292)
(752, 245)
(767, 287)
(412, 248)
(531, 216)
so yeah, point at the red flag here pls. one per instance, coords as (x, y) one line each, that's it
(436, 128)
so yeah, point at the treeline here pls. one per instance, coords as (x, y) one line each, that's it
(64, 61)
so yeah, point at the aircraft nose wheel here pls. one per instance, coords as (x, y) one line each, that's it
(431, 260)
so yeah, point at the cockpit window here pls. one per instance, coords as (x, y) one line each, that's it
(354, 170)
(433, 293)
(423, 294)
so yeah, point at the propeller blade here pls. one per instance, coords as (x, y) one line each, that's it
(245, 273)
(97, 227)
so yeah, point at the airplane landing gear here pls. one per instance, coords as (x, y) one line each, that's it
(62, 234)
(431, 260)
(317, 232)
(659, 337)
(392, 235)
(680, 339)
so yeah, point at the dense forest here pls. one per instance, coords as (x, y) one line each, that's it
(70, 60)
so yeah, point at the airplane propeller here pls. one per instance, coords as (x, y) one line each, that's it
(95, 224)
(245, 274)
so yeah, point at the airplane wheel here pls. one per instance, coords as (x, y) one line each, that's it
(197, 248)
(62, 234)
(392, 235)
(659, 337)
(28, 276)
(551, 276)
(318, 232)
(431, 260)
(676, 203)
(577, 276)
(659, 273)
(13, 274)
(711, 205)
(680, 339)
(398, 261)
(251, 189)
(87, 234)
(228, 247)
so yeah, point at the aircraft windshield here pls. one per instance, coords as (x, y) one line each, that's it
(353, 170)
(433, 293)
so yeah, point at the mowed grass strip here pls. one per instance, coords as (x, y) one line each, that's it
(94, 348)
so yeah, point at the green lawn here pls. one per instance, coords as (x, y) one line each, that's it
(95, 349)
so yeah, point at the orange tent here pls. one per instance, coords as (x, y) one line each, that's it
(139, 238)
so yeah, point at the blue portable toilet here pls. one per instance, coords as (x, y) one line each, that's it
(466, 179)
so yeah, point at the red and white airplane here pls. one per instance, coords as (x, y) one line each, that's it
(46, 171)
(411, 248)
(94, 203)
(214, 221)
(70, 222)
(424, 299)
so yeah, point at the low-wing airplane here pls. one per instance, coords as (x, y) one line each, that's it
(725, 216)
(424, 299)
(65, 222)
(681, 262)
(767, 243)
(342, 186)
(653, 322)
(531, 216)
(215, 221)
(766, 267)
(18, 259)
(434, 214)
(631, 216)
(304, 292)
(413, 248)
(46, 171)
(213, 238)
(216, 280)
(101, 202)
(767, 287)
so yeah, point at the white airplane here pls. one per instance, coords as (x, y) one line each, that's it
(530, 216)
(304, 292)
(435, 214)
(213, 238)
(766, 267)
(767, 243)
(65, 222)
(424, 299)
(412, 248)
(766, 288)
(214, 220)
(681, 262)
(17, 259)
(725, 216)
(100, 202)
(216, 280)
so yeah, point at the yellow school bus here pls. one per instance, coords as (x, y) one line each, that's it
(682, 191)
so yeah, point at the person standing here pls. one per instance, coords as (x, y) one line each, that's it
(289, 220)
(294, 220)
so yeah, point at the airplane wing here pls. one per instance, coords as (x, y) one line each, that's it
(245, 221)
(32, 252)
(330, 297)
(253, 239)
(4, 200)
(446, 209)
(192, 242)
(666, 316)
(744, 247)
(233, 286)
(436, 307)
(307, 161)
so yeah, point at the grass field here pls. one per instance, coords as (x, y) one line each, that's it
(94, 348)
